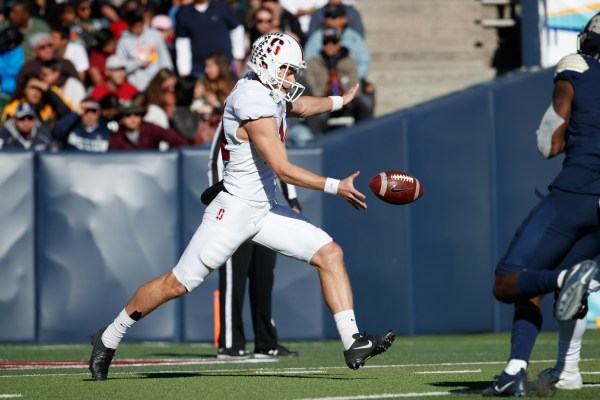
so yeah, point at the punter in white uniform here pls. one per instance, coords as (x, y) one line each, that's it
(252, 139)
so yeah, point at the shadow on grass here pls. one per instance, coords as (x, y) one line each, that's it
(171, 375)
(474, 387)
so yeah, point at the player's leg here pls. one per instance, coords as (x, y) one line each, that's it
(539, 245)
(232, 292)
(227, 222)
(291, 234)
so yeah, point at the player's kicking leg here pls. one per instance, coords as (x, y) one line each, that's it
(338, 297)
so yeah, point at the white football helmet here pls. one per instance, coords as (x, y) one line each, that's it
(270, 53)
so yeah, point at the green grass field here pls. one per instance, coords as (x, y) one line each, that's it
(425, 367)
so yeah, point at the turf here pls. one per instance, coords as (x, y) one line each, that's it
(456, 366)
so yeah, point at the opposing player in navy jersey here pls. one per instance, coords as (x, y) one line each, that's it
(563, 221)
(252, 138)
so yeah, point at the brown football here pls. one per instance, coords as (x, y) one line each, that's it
(396, 187)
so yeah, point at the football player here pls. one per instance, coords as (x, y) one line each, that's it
(562, 220)
(243, 209)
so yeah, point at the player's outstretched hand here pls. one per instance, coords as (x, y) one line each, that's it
(349, 95)
(347, 191)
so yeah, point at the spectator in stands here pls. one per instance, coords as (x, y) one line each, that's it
(303, 9)
(118, 26)
(83, 130)
(332, 73)
(43, 51)
(284, 21)
(109, 110)
(70, 50)
(105, 47)
(11, 59)
(218, 77)
(116, 83)
(87, 24)
(71, 88)
(134, 134)
(185, 120)
(206, 27)
(354, 21)
(164, 25)
(260, 23)
(21, 16)
(160, 98)
(335, 17)
(48, 101)
(24, 132)
(143, 49)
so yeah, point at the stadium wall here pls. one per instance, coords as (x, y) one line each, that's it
(79, 232)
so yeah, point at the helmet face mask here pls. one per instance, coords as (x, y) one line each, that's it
(588, 40)
(273, 57)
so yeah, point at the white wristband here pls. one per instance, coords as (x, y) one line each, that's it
(338, 102)
(331, 186)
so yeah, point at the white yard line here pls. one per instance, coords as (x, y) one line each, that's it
(10, 396)
(380, 396)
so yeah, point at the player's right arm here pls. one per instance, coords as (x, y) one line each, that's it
(263, 133)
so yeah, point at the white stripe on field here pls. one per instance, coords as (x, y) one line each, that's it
(10, 396)
(380, 396)
(464, 371)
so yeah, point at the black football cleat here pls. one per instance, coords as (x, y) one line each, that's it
(101, 357)
(508, 386)
(575, 290)
(278, 352)
(367, 346)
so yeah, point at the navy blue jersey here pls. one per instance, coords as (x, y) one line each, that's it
(581, 168)
(208, 31)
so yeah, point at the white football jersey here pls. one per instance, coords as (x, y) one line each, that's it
(247, 175)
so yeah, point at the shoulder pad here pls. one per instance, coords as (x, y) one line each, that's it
(572, 62)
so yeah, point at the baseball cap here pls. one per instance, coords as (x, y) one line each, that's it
(23, 110)
(115, 62)
(37, 38)
(91, 103)
(130, 108)
(335, 10)
(161, 22)
(331, 34)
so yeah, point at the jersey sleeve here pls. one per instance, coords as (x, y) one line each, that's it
(570, 68)
(254, 105)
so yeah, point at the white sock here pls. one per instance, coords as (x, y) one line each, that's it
(514, 366)
(114, 332)
(346, 326)
(570, 336)
(561, 278)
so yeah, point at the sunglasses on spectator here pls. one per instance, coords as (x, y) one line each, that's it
(264, 21)
(168, 88)
(91, 110)
(334, 41)
(136, 114)
(44, 46)
(26, 118)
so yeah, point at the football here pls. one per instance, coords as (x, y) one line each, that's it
(396, 187)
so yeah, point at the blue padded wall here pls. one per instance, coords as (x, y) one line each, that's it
(17, 252)
(96, 226)
(108, 223)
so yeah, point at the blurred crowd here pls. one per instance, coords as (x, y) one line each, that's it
(99, 75)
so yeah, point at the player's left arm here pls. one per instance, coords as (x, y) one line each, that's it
(263, 133)
(307, 106)
(552, 133)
